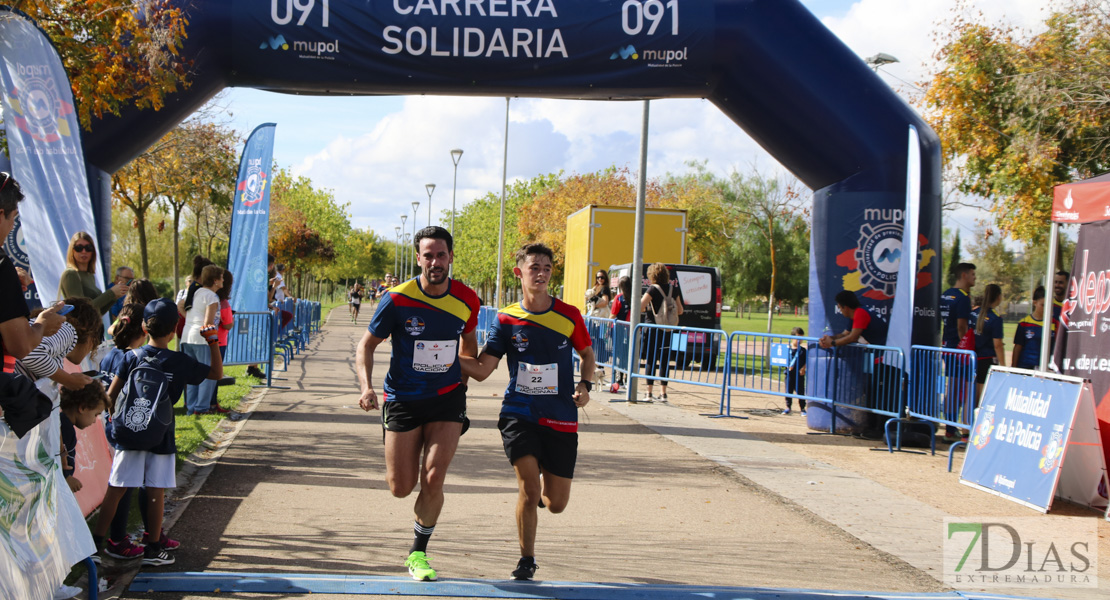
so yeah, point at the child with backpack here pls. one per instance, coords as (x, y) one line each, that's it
(149, 382)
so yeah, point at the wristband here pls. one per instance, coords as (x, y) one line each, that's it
(589, 385)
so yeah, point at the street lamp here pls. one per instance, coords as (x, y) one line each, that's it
(456, 156)
(403, 272)
(396, 247)
(412, 266)
(879, 60)
(431, 187)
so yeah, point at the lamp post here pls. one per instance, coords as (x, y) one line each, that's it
(456, 156)
(879, 60)
(412, 265)
(396, 247)
(404, 254)
(431, 187)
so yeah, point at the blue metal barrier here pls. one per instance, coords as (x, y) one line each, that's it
(251, 341)
(942, 390)
(678, 355)
(750, 368)
(486, 316)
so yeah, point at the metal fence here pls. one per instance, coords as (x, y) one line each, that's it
(673, 354)
(943, 390)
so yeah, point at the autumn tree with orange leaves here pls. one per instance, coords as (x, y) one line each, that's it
(117, 53)
(1018, 114)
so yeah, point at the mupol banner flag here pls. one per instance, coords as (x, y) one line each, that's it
(902, 312)
(250, 222)
(44, 145)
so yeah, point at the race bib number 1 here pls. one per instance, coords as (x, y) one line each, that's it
(538, 380)
(433, 356)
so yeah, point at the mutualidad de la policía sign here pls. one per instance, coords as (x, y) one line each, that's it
(1036, 437)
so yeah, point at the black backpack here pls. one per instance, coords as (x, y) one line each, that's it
(145, 412)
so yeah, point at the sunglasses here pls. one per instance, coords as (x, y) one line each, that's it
(83, 248)
(7, 178)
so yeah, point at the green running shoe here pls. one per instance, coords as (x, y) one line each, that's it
(417, 562)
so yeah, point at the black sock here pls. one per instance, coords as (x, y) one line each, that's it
(98, 541)
(420, 537)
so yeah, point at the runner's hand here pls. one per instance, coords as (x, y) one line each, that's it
(581, 396)
(369, 400)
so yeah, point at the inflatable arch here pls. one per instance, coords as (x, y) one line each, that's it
(769, 65)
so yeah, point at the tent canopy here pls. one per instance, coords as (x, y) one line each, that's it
(1084, 201)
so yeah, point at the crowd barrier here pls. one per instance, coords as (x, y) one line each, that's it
(675, 354)
(486, 315)
(943, 390)
(261, 337)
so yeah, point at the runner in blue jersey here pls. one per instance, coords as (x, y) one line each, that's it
(424, 408)
(539, 416)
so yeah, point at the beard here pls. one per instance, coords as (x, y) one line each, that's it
(436, 276)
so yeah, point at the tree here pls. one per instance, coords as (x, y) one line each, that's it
(117, 52)
(306, 225)
(138, 186)
(954, 259)
(766, 206)
(995, 263)
(1019, 114)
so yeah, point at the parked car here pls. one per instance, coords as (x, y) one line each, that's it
(699, 288)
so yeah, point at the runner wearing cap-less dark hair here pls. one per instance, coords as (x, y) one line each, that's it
(17, 338)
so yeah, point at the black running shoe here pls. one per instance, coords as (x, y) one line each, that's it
(525, 569)
(156, 556)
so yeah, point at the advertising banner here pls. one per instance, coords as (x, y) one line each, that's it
(542, 44)
(250, 222)
(902, 311)
(1084, 201)
(1036, 437)
(44, 146)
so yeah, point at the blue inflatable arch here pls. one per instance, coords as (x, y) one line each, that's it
(769, 65)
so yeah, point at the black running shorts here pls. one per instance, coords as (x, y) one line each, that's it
(982, 368)
(406, 415)
(556, 451)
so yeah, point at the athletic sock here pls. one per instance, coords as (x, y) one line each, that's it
(421, 535)
(98, 541)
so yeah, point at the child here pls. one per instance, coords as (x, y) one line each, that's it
(154, 468)
(79, 410)
(796, 372)
(76, 338)
(127, 335)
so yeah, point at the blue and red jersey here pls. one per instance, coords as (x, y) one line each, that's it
(425, 331)
(538, 346)
(1028, 336)
(955, 304)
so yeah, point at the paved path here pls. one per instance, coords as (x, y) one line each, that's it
(662, 498)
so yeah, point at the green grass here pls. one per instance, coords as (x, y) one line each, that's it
(781, 325)
(192, 430)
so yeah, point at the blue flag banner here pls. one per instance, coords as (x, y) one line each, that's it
(902, 311)
(44, 146)
(1035, 438)
(250, 222)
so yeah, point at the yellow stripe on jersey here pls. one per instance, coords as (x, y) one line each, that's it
(1029, 320)
(448, 303)
(551, 319)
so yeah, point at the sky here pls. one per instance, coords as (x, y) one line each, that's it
(377, 153)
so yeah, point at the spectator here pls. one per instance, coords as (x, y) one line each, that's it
(192, 284)
(124, 277)
(75, 339)
(621, 312)
(155, 467)
(866, 325)
(202, 314)
(658, 343)
(128, 336)
(79, 278)
(17, 337)
(1027, 338)
(281, 292)
(225, 320)
(598, 298)
(987, 326)
(796, 372)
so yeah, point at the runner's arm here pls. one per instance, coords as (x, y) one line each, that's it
(364, 367)
(589, 364)
(1015, 354)
(479, 368)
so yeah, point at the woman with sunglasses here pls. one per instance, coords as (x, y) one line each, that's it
(598, 299)
(79, 278)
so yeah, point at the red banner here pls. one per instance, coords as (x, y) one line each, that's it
(1085, 201)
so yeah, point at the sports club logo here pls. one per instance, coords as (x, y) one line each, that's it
(520, 341)
(39, 109)
(414, 325)
(873, 263)
(1053, 450)
(983, 430)
(253, 186)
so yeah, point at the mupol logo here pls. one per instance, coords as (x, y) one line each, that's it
(891, 256)
(274, 42)
(625, 53)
